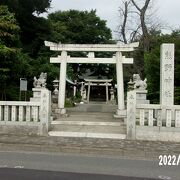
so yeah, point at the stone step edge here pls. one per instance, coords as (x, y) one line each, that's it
(92, 114)
(87, 123)
(86, 117)
(87, 135)
(89, 114)
(111, 115)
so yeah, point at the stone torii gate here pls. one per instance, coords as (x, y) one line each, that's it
(118, 59)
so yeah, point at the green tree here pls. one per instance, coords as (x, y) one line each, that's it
(152, 64)
(9, 43)
(13, 63)
(27, 7)
(34, 29)
(9, 33)
(80, 27)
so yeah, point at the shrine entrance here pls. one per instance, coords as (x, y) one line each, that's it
(98, 94)
(117, 59)
(98, 89)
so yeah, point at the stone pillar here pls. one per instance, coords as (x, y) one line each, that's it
(82, 88)
(6, 113)
(131, 115)
(120, 86)
(36, 94)
(166, 77)
(1, 114)
(45, 111)
(14, 113)
(107, 95)
(74, 88)
(62, 83)
(89, 89)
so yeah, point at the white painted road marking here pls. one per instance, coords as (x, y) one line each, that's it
(164, 177)
(19, 167)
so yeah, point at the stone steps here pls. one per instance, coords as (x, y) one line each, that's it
(92, 107)
(88, 128)
(87, 135)
(90, 117)
(89, 124)
(86, 123)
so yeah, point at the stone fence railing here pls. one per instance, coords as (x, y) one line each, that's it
(152, 121)
(155, 115)
(26, 117)
(19, 112)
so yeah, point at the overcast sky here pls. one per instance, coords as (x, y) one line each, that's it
(167, 10)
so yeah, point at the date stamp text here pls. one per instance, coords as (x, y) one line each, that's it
(169, 160)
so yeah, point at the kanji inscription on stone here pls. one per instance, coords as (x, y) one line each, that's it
(167, 75)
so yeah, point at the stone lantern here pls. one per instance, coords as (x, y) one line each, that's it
(56, 85)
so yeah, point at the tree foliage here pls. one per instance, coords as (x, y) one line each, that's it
(21, 48)
(34, 29)
(27, 7)
(9, 41)
(80, 27)
(9, 33)
(152, 64)
(9, 38)
(13, 63)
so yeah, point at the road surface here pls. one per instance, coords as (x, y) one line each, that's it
(65, 166)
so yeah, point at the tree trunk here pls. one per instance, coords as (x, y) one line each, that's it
(142, 12)
(123, 30)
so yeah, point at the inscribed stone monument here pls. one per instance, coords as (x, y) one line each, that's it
(167, 75)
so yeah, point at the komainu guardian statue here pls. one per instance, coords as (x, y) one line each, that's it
(138, 83)
(41, 81)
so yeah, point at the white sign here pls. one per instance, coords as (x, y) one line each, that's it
(23, 84)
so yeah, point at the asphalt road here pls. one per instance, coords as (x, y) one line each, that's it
(27, 165)
(26, 174)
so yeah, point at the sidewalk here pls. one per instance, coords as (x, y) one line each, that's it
(109, 147)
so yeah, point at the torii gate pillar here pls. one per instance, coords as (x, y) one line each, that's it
(62, 83)
(121, 112)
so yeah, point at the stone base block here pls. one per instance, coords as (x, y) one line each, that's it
(55, 99)
(141, 97)
(158, 133)
(35, 99)
(120, 113)
(23, 129)
(142, 101)
(61, 112)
